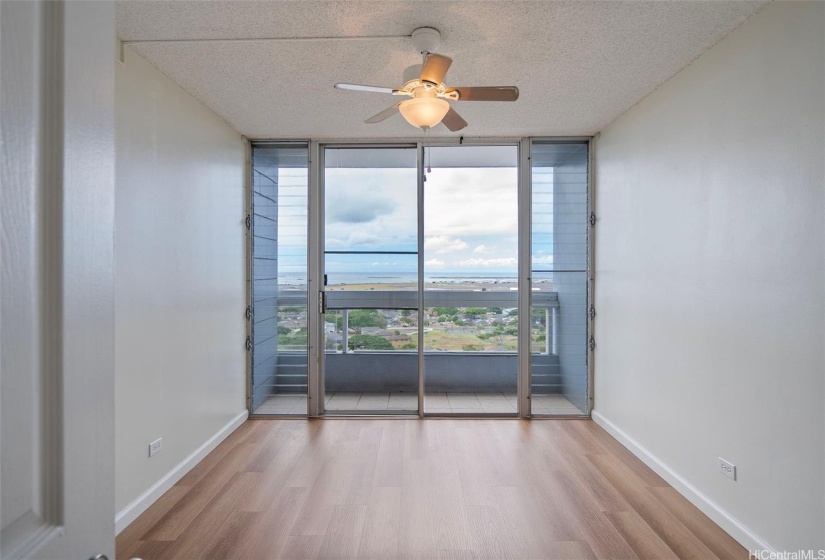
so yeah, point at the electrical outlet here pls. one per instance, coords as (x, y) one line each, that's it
(727, 468)
(155, 446)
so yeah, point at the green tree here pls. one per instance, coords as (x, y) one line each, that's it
(497, 334)
(360, 318)
(297, 338)
(282, 330)
(408, 346)
(369, 342)
(475, 311)
(445, 310)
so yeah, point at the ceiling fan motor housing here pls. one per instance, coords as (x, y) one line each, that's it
(426, 39)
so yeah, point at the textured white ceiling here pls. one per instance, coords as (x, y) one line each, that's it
(578, 65)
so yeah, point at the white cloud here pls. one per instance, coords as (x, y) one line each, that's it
(370, 208)
(362, 238)
(471, 201)
(484, 249)
(444, 244)
(469, 212)
(487, 263)
(542, 259)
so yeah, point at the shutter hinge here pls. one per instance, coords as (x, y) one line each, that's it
(248, 221)
(592, 219)
(248, 312)
(592, 312)
(248, 343)
(592, 344)
(322, 301)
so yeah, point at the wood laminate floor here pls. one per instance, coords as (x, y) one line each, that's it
(418, 489)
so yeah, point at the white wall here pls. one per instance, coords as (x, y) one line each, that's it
(710, 275)
(179, 275)
(57, 126)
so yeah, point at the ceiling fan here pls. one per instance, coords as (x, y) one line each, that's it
(430, 96)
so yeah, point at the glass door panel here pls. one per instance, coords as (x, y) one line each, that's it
(559, 353)
(371, 280)
(278, 273)
(471, 280)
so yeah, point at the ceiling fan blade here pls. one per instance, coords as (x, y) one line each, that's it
(453, 120)
(358, 87)
(435, 68)
(385, 114)
(495, 93)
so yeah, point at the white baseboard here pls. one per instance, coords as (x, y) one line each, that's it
(142, 503)
(726, 521)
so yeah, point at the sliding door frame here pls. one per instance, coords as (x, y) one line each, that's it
(315, 282)
(519, 143)
(525, 282)
(419, 150)
(315, 255)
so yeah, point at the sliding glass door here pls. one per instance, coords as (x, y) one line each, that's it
(442, 279)
(371, 280)
(471, 280)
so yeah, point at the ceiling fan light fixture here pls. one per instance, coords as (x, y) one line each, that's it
(424, 112)
(424, 82)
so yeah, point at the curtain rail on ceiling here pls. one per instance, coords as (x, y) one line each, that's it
(261, 39)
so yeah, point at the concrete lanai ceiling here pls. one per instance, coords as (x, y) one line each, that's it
(578, 64)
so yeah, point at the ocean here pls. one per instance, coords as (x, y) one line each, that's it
(442, 277)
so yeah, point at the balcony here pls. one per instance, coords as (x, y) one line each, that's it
(474, 380)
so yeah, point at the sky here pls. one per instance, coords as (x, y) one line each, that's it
(470, 220)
